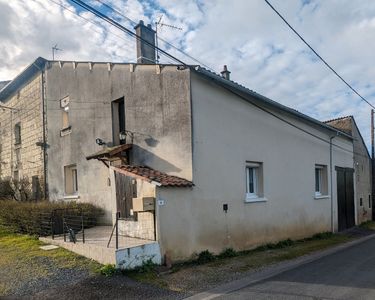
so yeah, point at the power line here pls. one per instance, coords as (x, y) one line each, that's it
(117, 11)
(291, 124)
(124, 29)
(88, 20)
(317, 54)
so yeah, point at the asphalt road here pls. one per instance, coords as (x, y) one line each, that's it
(347, 274)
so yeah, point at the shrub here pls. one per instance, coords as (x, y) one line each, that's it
(205, 257)
(108, 270)
(228, 252)
(32, 217)
(7, 191)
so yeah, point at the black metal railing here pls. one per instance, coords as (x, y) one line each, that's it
(114, 229)
(68, 222)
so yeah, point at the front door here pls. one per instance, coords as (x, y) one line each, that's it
(124, 194)
(345, 198)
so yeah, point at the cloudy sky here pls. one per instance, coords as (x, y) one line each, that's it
(247, 35)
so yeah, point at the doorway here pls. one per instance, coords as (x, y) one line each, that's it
(118, 120)
(345, 198)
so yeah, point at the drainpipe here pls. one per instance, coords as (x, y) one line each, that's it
(331, 175)
(44, 137)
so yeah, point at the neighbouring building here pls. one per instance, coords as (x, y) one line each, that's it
(362, 167)
(189, 158)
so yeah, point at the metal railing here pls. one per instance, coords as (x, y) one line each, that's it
(73, 223)
(66, 221)
(114, 228)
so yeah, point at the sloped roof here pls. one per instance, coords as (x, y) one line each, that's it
(342, 123)
(346, 124)
(109, 152)
(252, 96)
(153, 176)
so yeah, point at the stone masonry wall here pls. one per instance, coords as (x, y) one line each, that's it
(25, 157)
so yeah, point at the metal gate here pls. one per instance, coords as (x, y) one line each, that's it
(345, 198)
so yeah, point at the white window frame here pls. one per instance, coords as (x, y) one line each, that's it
(252, 168)
(320, 170)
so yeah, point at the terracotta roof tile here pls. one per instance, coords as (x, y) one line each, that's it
(344, 124)
(150, 175)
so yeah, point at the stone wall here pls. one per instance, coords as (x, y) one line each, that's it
(26, 157)
(142, 228)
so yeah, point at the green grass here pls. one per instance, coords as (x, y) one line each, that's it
(189, 276)
(21, 259)
(368, 225)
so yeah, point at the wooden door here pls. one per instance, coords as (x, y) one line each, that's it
(345, 198)
(124, 194)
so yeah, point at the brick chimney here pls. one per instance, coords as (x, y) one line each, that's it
(225, 73)
(145, 52)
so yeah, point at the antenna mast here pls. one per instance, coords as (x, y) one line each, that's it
(157, 24)
(54, 48)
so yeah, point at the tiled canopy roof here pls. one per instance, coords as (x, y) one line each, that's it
(151, 175)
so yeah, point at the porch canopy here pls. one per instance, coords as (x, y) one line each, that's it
(110, 153)
(152, 176)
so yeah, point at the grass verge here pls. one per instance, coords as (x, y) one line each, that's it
(22, 261)
(208, 271)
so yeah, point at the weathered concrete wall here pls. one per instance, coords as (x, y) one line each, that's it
(28, 102)
(133, 257)
(362, 167)
(157, 109)
(228, 131)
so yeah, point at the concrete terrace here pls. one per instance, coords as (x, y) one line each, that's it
(95, 246)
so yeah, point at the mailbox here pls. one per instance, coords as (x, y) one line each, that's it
(144, 204)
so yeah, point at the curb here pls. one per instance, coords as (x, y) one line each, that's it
(273, 270)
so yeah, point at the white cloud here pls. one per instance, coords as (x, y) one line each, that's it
(248, 36)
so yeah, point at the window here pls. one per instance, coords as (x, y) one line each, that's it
(360, 202)
(254, 189)
(321, 181)
(65, 125)
(71, 180)
(17, 134)
(369, 201)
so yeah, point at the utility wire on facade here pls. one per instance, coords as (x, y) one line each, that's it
(318, 55)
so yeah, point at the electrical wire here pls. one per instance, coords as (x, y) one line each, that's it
(90, 21)
(319, 56)
(117, 11)
(124, 29)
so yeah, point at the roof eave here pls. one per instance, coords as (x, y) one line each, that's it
(21, 78)
(244, 90)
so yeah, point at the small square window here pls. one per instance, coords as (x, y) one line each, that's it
(254, 188)
(321, 180)
(71, 180)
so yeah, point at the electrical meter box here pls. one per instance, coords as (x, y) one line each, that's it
(144, 204)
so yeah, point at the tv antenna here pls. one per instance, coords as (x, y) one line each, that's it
(160, 24)
(55, 49)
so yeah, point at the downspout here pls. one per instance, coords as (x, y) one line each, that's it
(331, 176)
(44, 137)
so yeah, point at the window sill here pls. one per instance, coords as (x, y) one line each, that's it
(255, 199)
(317, 197)
(71, 196)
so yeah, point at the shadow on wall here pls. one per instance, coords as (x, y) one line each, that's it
(144, 157)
